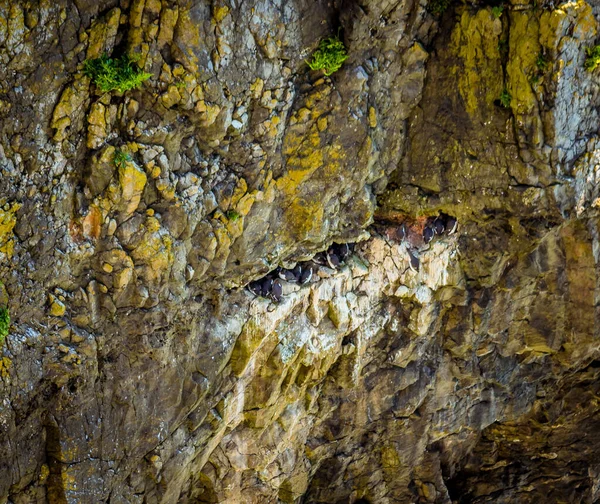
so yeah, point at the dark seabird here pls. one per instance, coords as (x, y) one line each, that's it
(428, 233)
(276, 290)
(451, 224)
(266, 286)
(332, 259)
(307, 273)
(288, 275)
(345, 251)
(342, 251)
(414, 261)
(255, 287)
(438, 225)
(320, 258)
(297, 272)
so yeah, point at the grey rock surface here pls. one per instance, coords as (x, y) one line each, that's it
(137, 369)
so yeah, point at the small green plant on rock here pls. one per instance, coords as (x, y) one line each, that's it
(541, 62)
(505, 98)
(4, 323)
(497, 11)
(593, 58)
(329, 56)
(438, 7)
(121, 158)
(233, 216)
(109, 74)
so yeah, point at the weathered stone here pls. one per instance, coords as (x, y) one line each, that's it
(136, 368)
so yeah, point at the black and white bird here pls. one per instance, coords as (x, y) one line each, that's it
(438, 225)
(332, 259)
(266, 286)
(306, 275)
(255, 287)
(288, 275)
(342, 250)
(451, 224)
(428, 233)
(414, 262)
(276, 290)
(320, 259)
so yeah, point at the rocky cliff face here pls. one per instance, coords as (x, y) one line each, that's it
(138, 370)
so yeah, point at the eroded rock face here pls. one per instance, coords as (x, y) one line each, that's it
(137, 369)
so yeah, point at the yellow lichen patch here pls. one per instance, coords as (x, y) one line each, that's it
(372, 117)
(5, 364)
(304, 218)
(475, 39)
(307, 149)
(256, 88)
(44, 473)
(57, 307)
(187, 38)
(246, 345)
(8, 220)
(97, 129)
(578, 13)
(219, 13)
(171, 97)
(245, 203)
(524, 50)
(168, 19)
(240, 189)
(70, 104)
(155, 251)
(103, 33)
(127, 193)
(390, 458)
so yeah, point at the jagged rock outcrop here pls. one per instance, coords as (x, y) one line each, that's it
(138, 369)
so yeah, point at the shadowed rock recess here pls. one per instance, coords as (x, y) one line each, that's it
(459, 369)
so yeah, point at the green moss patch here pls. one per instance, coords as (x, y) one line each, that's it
(109, 74)
(438, 7)
(121, 158)
(329, 56)
(593, 58)
(4, 323)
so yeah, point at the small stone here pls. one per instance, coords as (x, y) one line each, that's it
(57, 308)
(112, 227)
(107, 267)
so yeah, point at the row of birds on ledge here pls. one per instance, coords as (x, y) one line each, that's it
(271, 287)
(417, 234)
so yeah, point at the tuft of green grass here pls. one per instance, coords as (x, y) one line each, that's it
(109, 74)
(541, 62)
(121, 158)
(329, 56)
(232, 215)
(4, 323)
(438, 7)
(505, 98)
(497, 11)
(593, 58)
